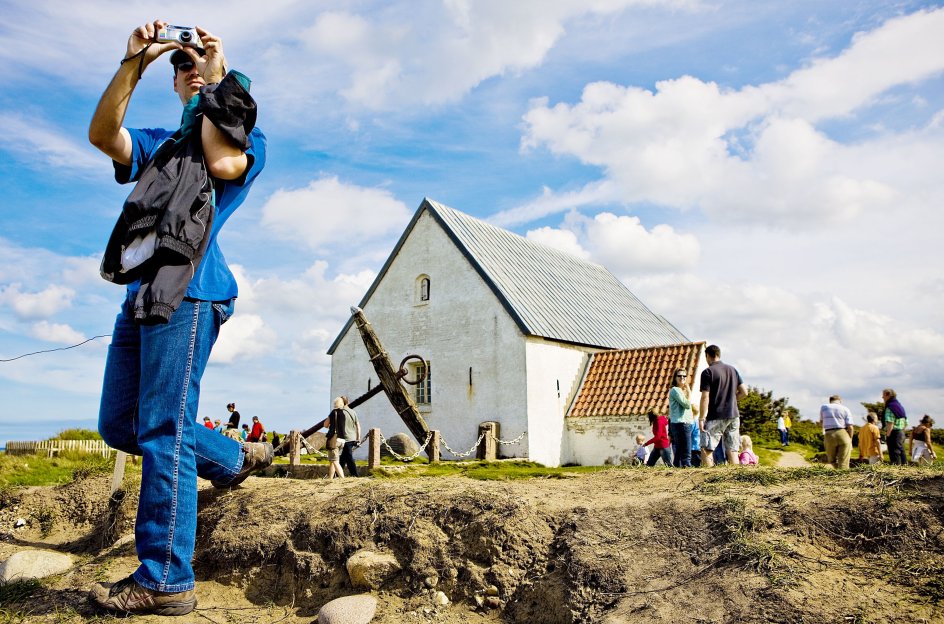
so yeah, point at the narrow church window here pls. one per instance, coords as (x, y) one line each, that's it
(423, 395)
(424, 289)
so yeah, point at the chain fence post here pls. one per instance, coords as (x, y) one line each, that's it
(373, 449)
(294, 448)
(488, 450)
(432, 449)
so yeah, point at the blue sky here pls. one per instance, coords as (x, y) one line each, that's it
(764, 174)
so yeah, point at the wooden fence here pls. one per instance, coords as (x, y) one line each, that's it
(52, 447)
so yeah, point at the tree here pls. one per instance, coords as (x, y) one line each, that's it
(759, 412)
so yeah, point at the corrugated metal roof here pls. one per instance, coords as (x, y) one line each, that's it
(633, 381)
(554, 294)
(548, 293)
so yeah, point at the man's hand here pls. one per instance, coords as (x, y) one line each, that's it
(146, 37)
(212, 67)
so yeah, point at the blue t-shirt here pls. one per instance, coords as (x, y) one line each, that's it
(212, 281)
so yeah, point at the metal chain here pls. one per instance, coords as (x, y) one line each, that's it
(402, 458)
(467, 453)
(515, 441)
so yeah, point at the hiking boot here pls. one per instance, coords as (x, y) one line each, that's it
(126, 597)
(258, 456)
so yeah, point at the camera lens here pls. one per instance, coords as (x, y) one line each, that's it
(186, 36)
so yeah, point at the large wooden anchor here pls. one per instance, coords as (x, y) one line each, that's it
(389, 383)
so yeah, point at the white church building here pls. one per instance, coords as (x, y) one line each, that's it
(508, 328)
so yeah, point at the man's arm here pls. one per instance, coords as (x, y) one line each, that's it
(741, 391)
(105, 130)
(224, 159)
(703, 410)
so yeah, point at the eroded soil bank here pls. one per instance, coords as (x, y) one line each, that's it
(718, 545)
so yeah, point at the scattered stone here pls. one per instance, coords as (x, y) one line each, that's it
(491, 590)
(402, 443)
(492, 602)
(440, 599)
(369, 569)
(358, 609)
(33, 564)
(479, 601)
(20, 522)
(430, 581)
(124, 540)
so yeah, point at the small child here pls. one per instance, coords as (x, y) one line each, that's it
(747, 456)
(641, 454)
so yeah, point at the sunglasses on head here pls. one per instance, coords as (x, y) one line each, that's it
(185, 67)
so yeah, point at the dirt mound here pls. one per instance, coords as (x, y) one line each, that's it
(718, 545)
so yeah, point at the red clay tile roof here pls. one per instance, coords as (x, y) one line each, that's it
(633, 381)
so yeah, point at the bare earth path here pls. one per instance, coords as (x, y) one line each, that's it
(789, 459)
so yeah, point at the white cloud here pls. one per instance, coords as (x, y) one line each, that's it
(36, 305)
(429, 52)
(623, 244)
(754, 153)
(46, 148)
(331, 214)
(564, 240)
(243, 336)
(56, 332)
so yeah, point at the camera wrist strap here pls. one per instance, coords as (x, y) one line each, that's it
(140, 53)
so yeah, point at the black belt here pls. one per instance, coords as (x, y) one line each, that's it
(835, 429)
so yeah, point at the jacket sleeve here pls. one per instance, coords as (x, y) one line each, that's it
(230, 107)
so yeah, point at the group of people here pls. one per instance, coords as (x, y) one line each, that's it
(231, 428)
(684, 441)
(838, 429)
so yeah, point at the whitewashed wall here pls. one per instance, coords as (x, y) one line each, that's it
(462, 326)
(594, 440)
(554, 370)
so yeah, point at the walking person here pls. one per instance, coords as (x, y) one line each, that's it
(895, 423)
(257, 432)
(350, 426)
(179, 292)
(782, 428)
(681, 419)
(922, 452)
(335, 441)
(659, 440)
(836, 421)
(719, 419)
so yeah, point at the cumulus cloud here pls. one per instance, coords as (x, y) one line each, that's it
(622, 244)
(56, 332)
(327, 212)
(36, 305)
(243, 336)
(431, 52)
(751, 153)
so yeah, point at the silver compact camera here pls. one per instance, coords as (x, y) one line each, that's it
(184, 35)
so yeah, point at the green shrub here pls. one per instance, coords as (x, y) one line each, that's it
(77, 434)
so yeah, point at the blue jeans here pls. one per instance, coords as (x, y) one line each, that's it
(784, 437)
(681, 444)
(149, 408)
(665, 454)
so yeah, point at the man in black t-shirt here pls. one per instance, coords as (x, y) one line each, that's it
(719, 419)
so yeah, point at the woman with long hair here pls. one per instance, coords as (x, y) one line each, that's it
(681, 419)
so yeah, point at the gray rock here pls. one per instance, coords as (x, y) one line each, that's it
(370, 570)
(402, 443)
(359, 609)
(20, 522)
(33, 564)
(440, 599)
